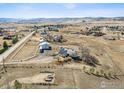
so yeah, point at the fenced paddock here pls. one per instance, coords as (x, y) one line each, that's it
(16, 46)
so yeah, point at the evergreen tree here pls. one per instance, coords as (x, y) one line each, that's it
(5, 45)
(17, 84)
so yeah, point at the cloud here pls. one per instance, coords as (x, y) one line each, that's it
(70, 5)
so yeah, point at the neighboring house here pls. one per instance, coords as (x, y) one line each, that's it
(44, 46)
(13, 29)
(54, 38)
(52, 28)
(8, 34)
(43, 29)
(57, 38)
(43, 33)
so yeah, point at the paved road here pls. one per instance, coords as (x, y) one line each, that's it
(13, 48)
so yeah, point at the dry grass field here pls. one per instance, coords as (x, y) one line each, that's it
(70, 75)
(30, 49)
(104, 50)
(65, 78)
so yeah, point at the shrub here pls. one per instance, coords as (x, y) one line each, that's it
(15, 40)
(92, 70)
(97, 73)
(2, 50)
(122, 33)
(17, 84)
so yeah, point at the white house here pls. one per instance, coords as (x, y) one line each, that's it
(44, 46)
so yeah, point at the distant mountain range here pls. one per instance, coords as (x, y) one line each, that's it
(34, 20)
(57, 20)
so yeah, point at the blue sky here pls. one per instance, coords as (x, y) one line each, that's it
(45, 10)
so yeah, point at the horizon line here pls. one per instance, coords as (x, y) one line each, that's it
(63, 17)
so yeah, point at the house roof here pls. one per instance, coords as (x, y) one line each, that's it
(44, 43)
(65, 51)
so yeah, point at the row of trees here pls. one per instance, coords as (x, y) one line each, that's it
(99, 72)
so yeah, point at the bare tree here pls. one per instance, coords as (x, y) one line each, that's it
(84, 52)
(86, 57)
